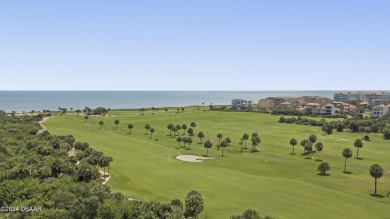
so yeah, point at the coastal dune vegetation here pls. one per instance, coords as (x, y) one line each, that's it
(270, 179)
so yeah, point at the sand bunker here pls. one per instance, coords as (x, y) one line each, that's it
(193, 158)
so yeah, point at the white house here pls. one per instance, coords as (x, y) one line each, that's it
(239, 104)
(328, 109)
(380, 110)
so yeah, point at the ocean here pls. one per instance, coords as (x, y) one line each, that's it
(20, 101)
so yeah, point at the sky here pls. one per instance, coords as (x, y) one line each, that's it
(195, 45)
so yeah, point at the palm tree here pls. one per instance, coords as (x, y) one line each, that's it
(193, 124)
(184, 140)
(293, 142)
(147, 127)
(313, 138)
(319, 147)
(193, 204)
(86, 118)
(189, 141)
(223, 144)
(178, 127)
(169, 126)
(166, 110)
(182, 110)
(184, 127)
(358, 144)
(376, 171)
(103, 162)
(130, 127)
(323, 167)
(151, 132)
(304, 143)
(178, 139)
(245, 136)
(190, 132)
(219, 136)
(241, 143)
(101, 123)
(347, 153)
(201, 136)
(174, 130)
(255, 141)
(208, 145)
(116, 124)
(228, 141)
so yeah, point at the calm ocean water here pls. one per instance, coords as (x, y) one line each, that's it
(50, 100)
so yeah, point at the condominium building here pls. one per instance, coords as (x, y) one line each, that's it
(239, 104)
(313, 108)
(360, 96)
(380, 110)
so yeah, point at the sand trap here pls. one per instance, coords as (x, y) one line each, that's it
(104, 176)
(193, 158)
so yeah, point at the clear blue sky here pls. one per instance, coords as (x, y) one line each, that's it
(195, 45)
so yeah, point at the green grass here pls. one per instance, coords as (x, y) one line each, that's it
(271, 181)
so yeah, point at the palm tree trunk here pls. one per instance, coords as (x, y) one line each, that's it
(207, 153)
(293, 149)
(345, 165)
(357, 153)
(222, 151)
(375, 186)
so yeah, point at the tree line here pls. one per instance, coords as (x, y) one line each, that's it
(353, 125)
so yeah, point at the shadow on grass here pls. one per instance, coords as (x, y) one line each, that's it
(199, 143)
(325, 174)
(308, 158)
(360, 158)
(293, 153)
(347, 172)
(318, 160)
(377, 196)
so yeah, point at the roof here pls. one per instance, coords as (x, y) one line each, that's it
(285, 103)
(312, 104)
(275, 98)
(365, 102)
(380, 107)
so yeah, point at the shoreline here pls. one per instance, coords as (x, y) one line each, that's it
(120, 109)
